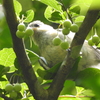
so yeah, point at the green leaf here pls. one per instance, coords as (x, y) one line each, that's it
(84, 5)
(90, 78)
(73, 73)
(67, 3)
(79, 20)
(30, 16)
(3, 70)
(88, 93)
(98, 31)
(18, 7)
(7, 57)
(75, 9)
(52, 3)
(3, 83)
(69, 88)
(97, 24)
(90, 34)
(33, 56)
(53, 15)
(48, 74)
(79, 89)
(88, 75)
(5, 35)
(42, 73)
(55, 68)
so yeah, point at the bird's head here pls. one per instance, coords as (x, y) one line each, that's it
(39, 26)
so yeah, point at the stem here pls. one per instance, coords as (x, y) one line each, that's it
(76, 45)
(28, 73)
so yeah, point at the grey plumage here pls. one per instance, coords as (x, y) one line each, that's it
(43, 36)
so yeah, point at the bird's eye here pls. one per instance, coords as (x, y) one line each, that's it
(36, 25)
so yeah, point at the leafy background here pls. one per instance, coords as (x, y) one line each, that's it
(88, 80)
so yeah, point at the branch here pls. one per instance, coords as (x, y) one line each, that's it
(29, 75)
(76, 45)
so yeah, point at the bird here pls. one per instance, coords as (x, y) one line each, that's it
(52, 55)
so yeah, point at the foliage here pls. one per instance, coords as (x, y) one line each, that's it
(87, 82)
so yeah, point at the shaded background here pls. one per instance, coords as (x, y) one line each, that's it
(5, 37)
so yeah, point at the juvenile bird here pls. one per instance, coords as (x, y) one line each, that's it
(43, 36)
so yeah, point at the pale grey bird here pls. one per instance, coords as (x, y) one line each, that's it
(43, 36)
